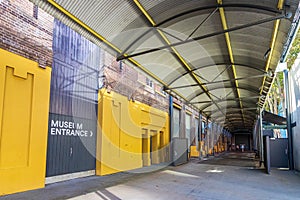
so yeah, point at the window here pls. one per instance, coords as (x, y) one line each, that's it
(163, 91)
(176, 122)
(197, 131)
(121, 66)
(149, 82)
(35, 11)
(160, 90)
(188, 128)
(203, 127)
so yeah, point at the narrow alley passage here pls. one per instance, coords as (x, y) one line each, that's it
(137, 99)
(228, 176)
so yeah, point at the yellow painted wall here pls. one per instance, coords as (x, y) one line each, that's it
(24, 106)
(124, 126)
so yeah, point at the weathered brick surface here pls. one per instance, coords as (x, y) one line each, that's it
(131, 83)
(27, 35)
(23, 34)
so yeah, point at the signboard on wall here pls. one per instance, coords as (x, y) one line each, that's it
(73, 102)
(71, 144)
(72, 128)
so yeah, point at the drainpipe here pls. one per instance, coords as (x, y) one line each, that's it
(171, 128)
(288, 119)
(171, 116)
(200, 135)
(261, 143)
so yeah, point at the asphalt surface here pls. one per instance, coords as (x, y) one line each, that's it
(229, 176)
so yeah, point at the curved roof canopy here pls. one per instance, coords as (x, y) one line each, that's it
(218, 56)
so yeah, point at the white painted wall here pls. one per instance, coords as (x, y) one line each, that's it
(295, 109)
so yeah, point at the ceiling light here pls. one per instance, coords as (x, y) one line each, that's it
(267, 53)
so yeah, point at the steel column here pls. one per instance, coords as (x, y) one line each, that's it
(288, 119)
(171, 128)
(261, 146)
(267, 154)
(171, 116)
(200, 135)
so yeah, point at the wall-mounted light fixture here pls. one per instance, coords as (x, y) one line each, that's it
(267, 53)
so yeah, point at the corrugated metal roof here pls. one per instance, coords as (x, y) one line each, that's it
(131, 27)
(273, 118)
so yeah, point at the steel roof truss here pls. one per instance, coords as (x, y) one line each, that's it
(217, 64)
(281, 16)
(228, 99)
(215, 7)
(250, 89)
(215, 82)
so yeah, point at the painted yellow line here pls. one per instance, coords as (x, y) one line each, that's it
(229, 47)
(97, 35)
(273, 40)
(144, 12)
(188, 112)
(177, 106)
(60, 8)
(169, 43)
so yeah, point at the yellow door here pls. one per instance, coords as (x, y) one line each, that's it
(24, 106)
(155, 143)
(146, 148)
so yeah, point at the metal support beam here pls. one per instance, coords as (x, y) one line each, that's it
(237, 124)
(215, 82)
(232, 113)
(288, 120)
(273, 41)
(261, 144)
(229, 93)
(220, 74)
(250, 89)
(282, 16)
(232, 109)
(210, 104)
(171, 121)
(177, 55)
(291, 36)
(99, 37)
(170, 34)
(229, 99)
(231, 57)
(203, 21)
(235, 118)
(213, 65)
(267, 154)
(271, 127)
(236, 5)
(200, 136)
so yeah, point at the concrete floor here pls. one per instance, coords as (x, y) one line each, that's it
(230, 176)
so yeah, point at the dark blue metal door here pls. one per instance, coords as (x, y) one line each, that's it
(73, 103)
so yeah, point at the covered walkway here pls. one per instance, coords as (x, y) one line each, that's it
(217, 57)
(117, 91)
(228, 176)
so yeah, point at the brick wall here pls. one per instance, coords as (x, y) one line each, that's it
(25, 33)
(123, 79)
(28, 31)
